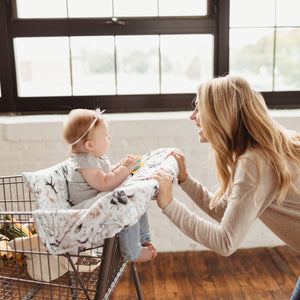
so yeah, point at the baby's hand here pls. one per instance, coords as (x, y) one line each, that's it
(130, 162)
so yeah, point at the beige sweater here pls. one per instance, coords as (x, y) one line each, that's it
(248, 203)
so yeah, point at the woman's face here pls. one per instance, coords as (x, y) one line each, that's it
(195, 116)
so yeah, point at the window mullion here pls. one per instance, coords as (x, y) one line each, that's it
(159, 63)
(115, 66)
(222, 38)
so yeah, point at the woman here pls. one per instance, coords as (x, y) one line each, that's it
(258, 169)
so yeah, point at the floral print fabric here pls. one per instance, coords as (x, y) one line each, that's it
(63, 228)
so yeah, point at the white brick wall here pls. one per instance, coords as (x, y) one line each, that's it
(30, 143)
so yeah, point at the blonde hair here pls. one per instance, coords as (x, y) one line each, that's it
(235, 118)
(76, 125)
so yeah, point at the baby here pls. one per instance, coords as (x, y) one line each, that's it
(86, 131)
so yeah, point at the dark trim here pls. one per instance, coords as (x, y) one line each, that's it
(104, 26)
(133, 103)
(136, 103)
(7, 73)
(282, 100)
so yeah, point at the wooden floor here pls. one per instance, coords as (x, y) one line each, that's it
(252, 274)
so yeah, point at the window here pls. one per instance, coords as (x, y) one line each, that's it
(42, 66)
(270, 55)
(266, 48)
(109, 8)
(141, 55)
(112, 65)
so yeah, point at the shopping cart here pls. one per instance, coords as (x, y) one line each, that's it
(29, 271)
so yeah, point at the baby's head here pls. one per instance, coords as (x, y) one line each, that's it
(79, 128)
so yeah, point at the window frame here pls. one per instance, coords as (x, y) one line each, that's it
(216, 23)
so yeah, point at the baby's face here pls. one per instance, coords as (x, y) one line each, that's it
(100, 139)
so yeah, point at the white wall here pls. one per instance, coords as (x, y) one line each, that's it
(30, 143)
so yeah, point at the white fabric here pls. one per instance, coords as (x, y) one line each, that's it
(89, 223)
(49, 186)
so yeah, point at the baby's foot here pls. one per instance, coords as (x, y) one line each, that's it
(146, 255)
(152, 247)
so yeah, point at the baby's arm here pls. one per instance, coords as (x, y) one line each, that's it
(101, 181)
(113, 168)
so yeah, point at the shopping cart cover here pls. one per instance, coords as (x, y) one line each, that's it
(67, 229)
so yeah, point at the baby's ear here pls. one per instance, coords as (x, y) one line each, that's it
(88, 145)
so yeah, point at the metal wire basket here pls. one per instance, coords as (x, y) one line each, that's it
(29, 271)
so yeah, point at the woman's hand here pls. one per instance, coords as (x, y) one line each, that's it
(165, 195)
(182, 174)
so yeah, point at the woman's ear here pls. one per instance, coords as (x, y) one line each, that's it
(88, 145)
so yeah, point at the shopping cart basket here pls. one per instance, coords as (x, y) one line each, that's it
(29, 271)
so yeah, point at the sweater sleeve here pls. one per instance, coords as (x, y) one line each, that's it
(245, 206)
(202, 197)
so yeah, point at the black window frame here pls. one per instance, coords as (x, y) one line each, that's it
(216, 23)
